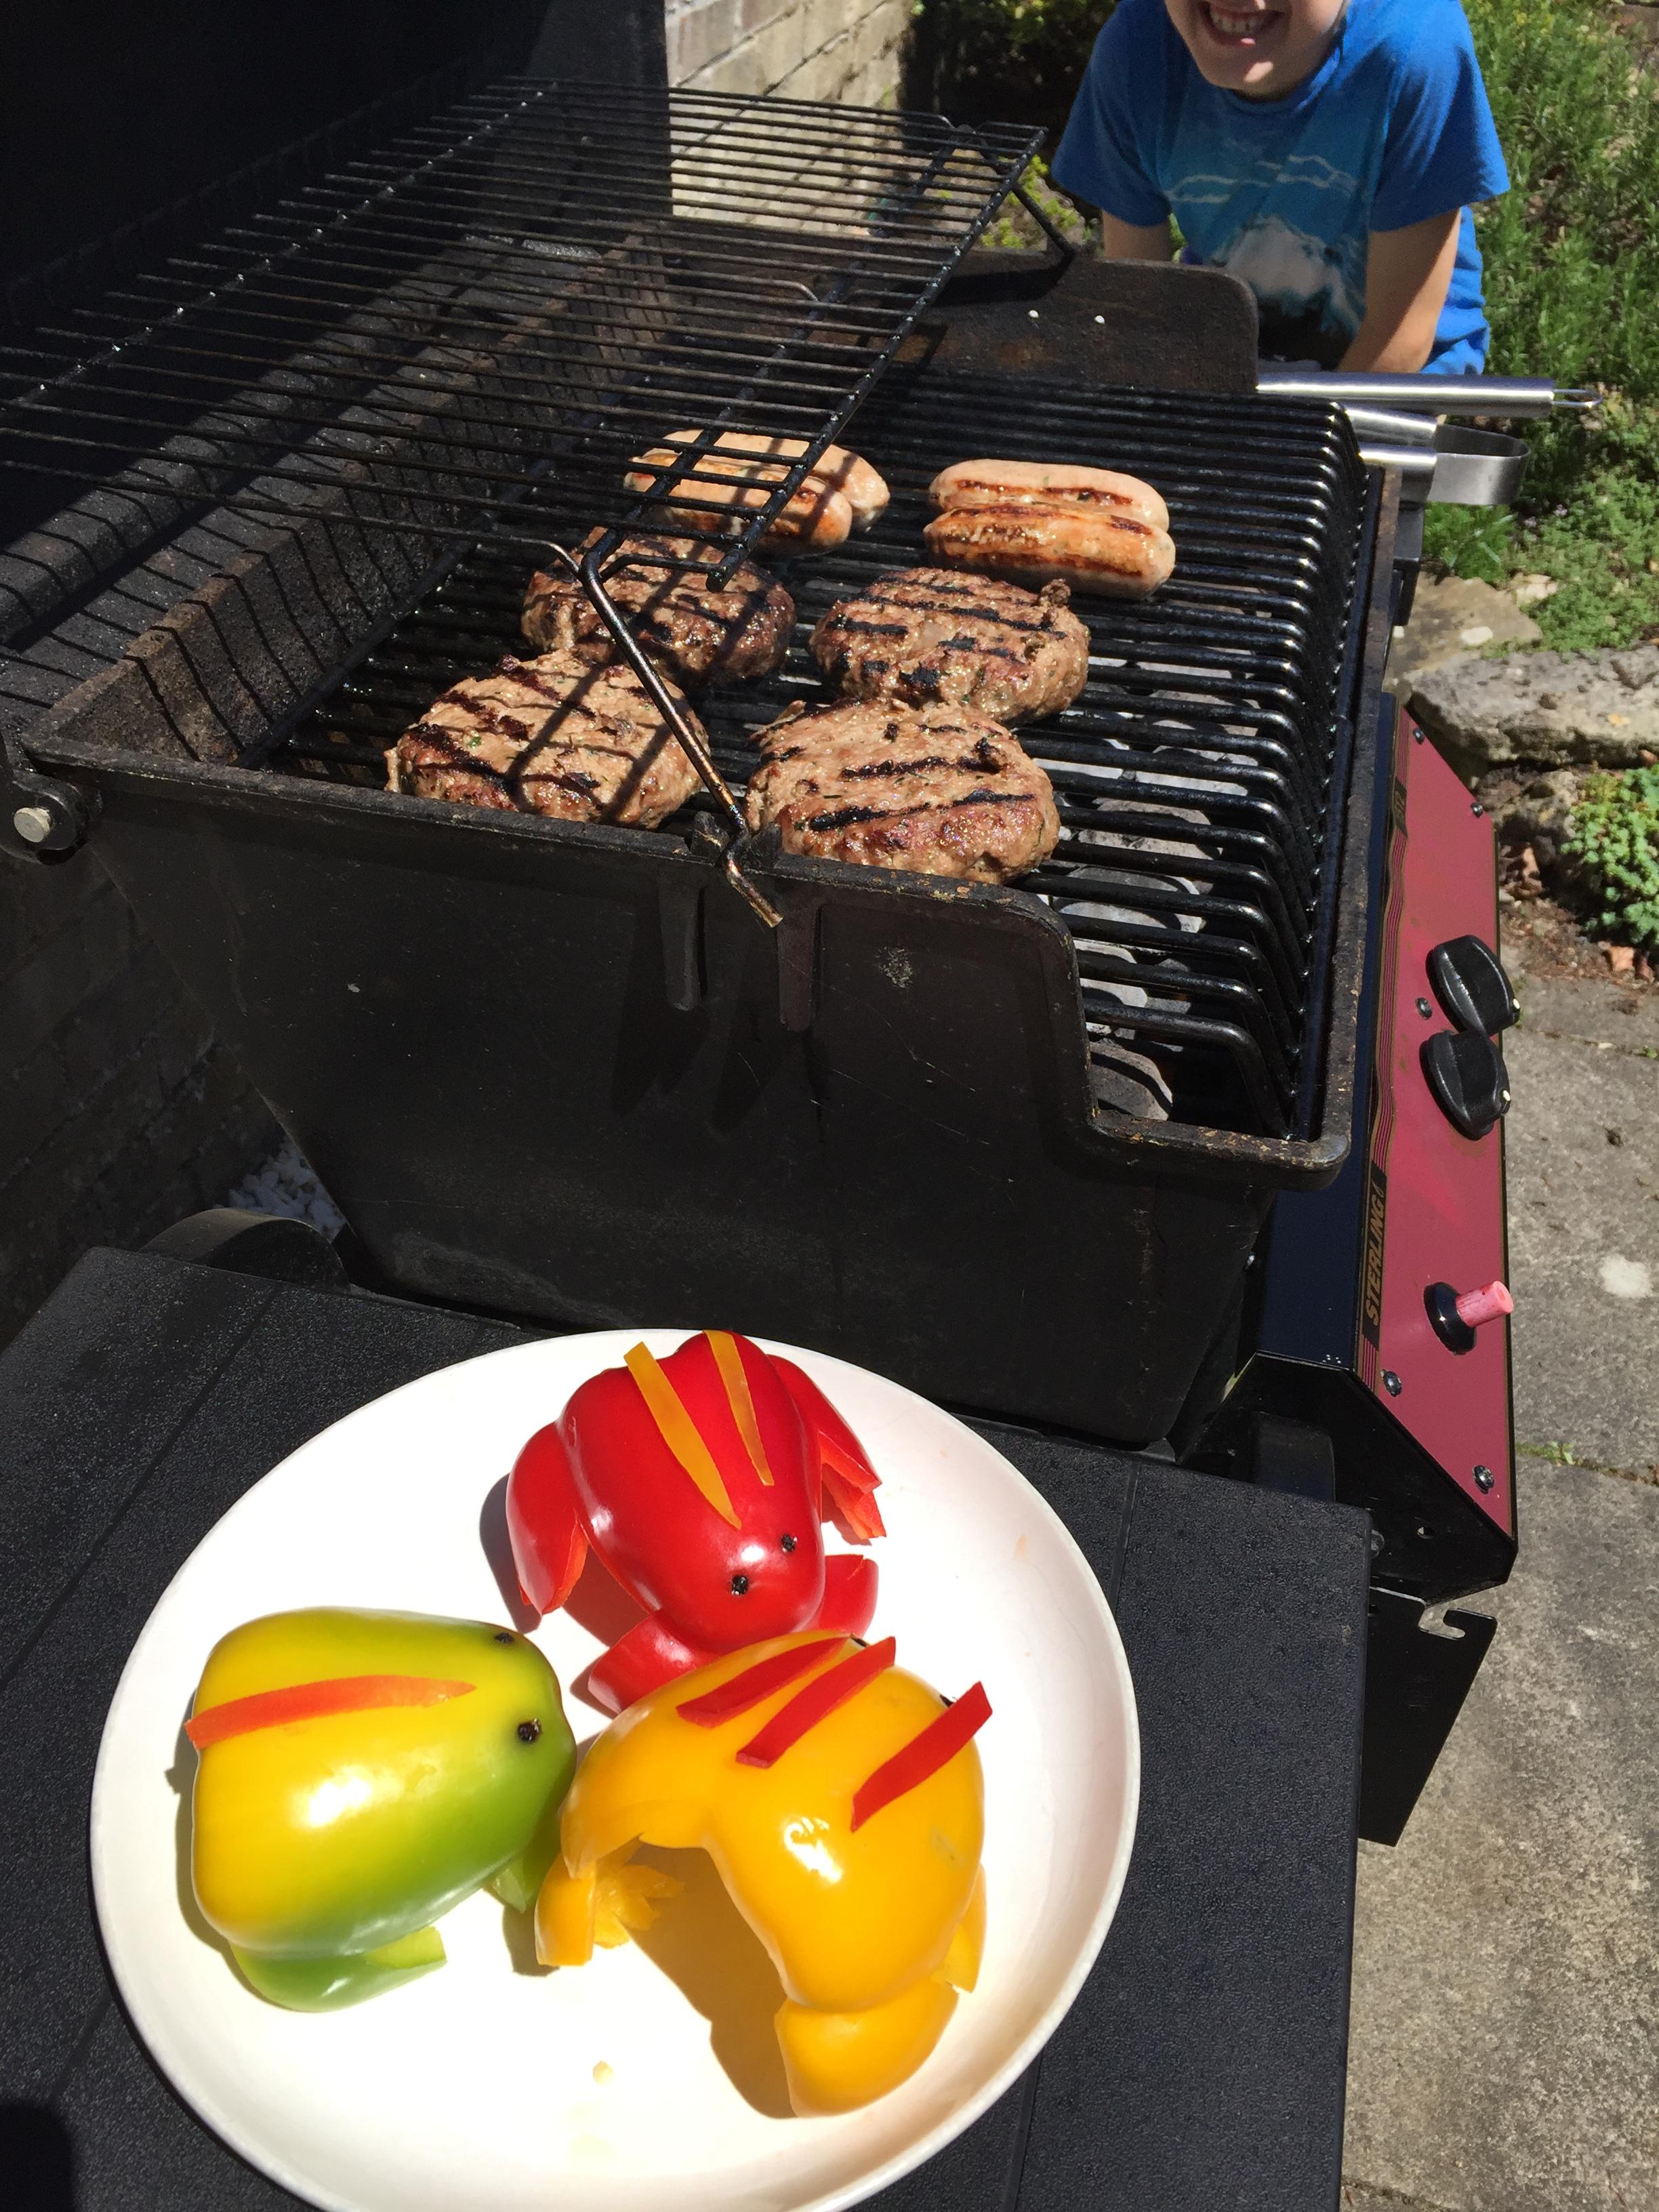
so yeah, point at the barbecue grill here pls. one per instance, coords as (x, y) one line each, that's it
(275, 490)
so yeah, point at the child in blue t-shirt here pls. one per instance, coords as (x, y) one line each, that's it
(1326, 153)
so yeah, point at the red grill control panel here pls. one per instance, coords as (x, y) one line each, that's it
(1434, 1328)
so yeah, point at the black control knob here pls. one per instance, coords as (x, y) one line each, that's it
(1469, 981)
(1470, 1083)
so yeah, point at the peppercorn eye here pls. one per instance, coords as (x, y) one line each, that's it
(787, 1543)
(739, 1585)
(505, 1636)
(528, 1731)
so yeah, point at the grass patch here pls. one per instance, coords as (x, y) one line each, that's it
(1599, 542)
(1572, 292)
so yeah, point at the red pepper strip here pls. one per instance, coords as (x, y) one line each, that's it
(678, 1430)
(729, 1360)
(310, 1701)
(855, 1510)
(936, 1747)
(849, 1469)
(756, 1682)
(816, 1703)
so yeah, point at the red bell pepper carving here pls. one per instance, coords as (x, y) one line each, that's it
(701, 1481)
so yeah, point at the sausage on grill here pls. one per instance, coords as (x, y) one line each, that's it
(933, 636)
(550, 736)
(938, 789)
(1105, 555)
(737, 477)
(863, 488)
(1047, 484)
(699, 634)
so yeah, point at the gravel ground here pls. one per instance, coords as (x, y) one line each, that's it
(285, 1185)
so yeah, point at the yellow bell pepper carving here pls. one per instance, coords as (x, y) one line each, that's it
(842, 1803)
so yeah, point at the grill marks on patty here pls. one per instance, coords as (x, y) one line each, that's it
(938, 789)
(698, 633)
(552, 736)
(930, 637)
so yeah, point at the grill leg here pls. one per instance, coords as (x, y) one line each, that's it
(679, 910)
(1416, 1680)
(254, 1245)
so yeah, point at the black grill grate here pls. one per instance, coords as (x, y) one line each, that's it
(470, 333)
(1196, 868)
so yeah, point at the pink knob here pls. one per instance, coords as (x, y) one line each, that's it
(1490, 1304)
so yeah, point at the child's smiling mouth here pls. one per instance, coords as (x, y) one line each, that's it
(1239, 29)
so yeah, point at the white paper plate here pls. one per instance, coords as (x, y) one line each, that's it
(477, 2086)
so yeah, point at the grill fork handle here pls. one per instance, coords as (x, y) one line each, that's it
(586, 572)
(1519, 398)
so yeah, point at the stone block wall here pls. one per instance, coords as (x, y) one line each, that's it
(119, 1112)
(849, 50)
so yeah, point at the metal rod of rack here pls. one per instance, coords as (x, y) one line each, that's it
(1519, 398)
(476, 330)
(1192, 780)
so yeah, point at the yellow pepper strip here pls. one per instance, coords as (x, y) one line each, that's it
(678, 1430)
(873, 1930)
(729, 1360)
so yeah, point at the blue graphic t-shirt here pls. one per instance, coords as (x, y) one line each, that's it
(1392, 128)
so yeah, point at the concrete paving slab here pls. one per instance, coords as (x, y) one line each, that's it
(1582, 1142)
(1621, 1015)
(1505, 2036)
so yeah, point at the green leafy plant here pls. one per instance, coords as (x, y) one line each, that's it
(1572, 292)
(1009, 61)
(1571, 276)
(1613, 837)
(1015, 228)
(1469, 541)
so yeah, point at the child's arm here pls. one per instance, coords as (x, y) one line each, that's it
(1129, 241)
(1407, 274)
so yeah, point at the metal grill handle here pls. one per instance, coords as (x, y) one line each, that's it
(1519, 398)
(586, 572)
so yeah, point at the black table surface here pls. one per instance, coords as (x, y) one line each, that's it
(1201, 2070)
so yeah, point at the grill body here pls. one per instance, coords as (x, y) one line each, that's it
(471, 1037)
(558, 1071)
(563, 1073)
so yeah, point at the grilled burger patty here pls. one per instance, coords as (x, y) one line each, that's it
(550, 736)
(926, 636)
(698, 633)
(938, 789)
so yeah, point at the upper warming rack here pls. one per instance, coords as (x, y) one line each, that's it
(471, 332)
